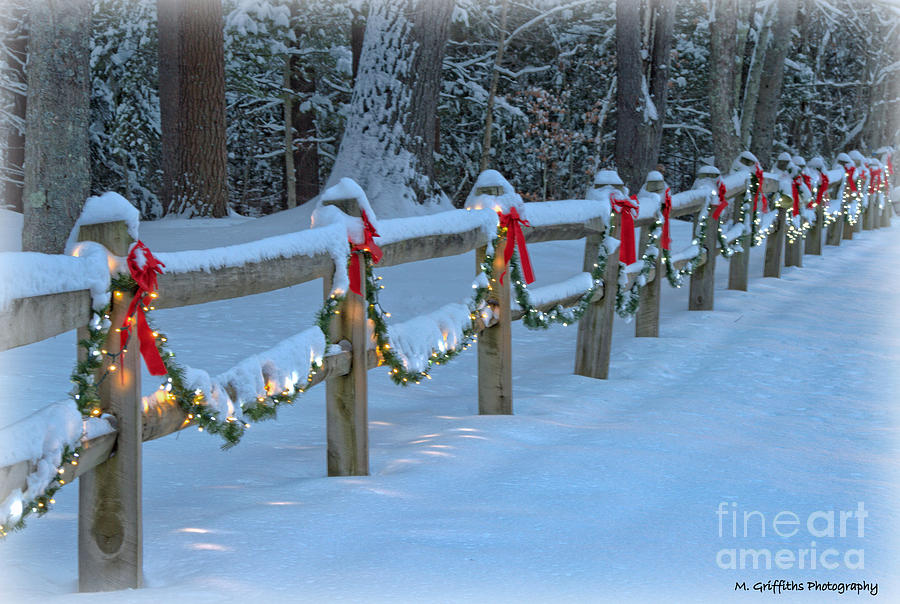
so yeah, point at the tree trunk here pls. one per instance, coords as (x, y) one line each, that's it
(388, 143)
(290, 174)
(766, 112)
(754, 79)
(195, 168)
(57, 151)
(722, 76)
(167, 15)
(642, 83)
(16, 43)
(743, 10)
(306, 151)
(357, 34)
(492, 94)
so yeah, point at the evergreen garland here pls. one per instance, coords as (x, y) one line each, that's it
(676, 276)
(86, 393)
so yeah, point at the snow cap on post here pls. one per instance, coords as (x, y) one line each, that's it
(799, 161)
(655, 182)
(744, 162)
(607, 178)
(109, 207)
(492, 191)
(344, 203)
(884, 154)
(857, 157)
(817, 163)
(707, 171)
(783, 161)
(843, 159)
(650, 197)
(707, 175)
(606, 183)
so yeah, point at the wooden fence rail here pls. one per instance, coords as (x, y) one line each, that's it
(110, 531)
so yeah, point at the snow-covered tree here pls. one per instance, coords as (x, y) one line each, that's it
(125, 144)
(643, 45)
(389, 139)
(13, 52)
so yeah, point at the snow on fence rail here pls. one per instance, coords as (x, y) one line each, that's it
(110, 535)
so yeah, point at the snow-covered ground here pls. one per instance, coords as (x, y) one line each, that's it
(781, 401)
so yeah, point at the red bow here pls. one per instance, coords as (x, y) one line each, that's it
(514, 235)
(795, 193)
(820, 194)
(666, 240)
(890, 166)
(723, 203)
(806, 180)
(368, 245)
(850, 180)
(875, 183)
(760, 179)
(628, 211)
(144, 269)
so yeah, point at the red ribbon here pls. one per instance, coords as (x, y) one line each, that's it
(795, 193)
(850, 180)
(806, 180)
(723, 203)
(890, 166)
(144, 274)
(628, 211)
(666, 240)
(514, 235)
(368, 245)
(875, 183)
(820, 194)
(760, 179)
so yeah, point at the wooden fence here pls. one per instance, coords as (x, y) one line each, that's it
(110, 522)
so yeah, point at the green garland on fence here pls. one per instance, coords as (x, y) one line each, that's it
(853, 207)
(86, 395)
(676, 276)
(534, 318)
(199, 413)
(40, 505)
(729, 248)
(628, 298)
(399, 372)
(751, 217)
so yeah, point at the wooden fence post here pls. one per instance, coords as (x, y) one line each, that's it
(774, 247)
(346, 396)
(835, 231)
(646, 323)
(886, 214)
(814, 236)
(495, 396)
(793, 252)
(703, 278)
(847, 230)
(868, 217)
(110, 530)
(595, 327)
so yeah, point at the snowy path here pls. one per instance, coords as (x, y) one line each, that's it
(781, 400)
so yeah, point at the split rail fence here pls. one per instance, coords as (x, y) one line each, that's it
(109, 468)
